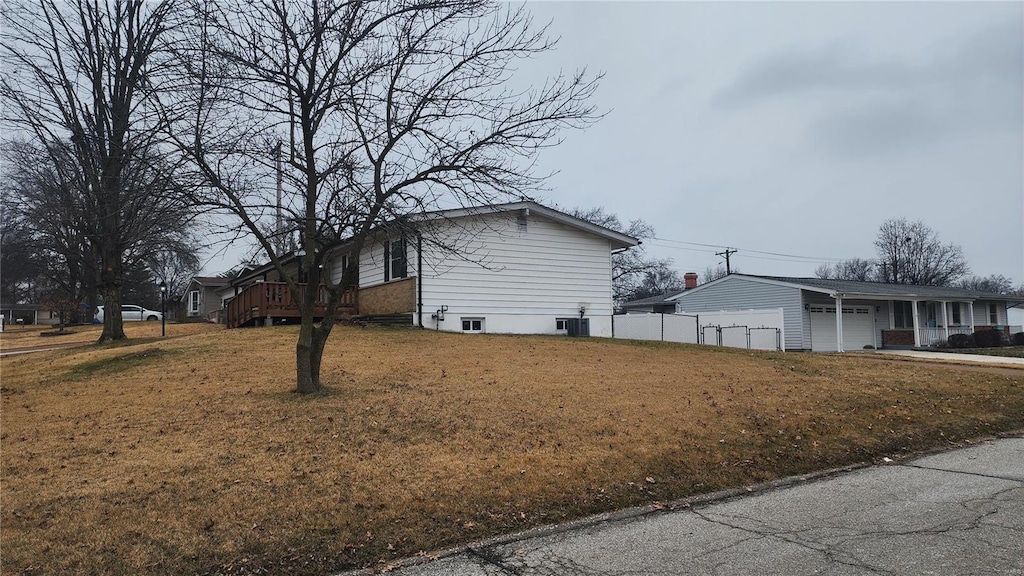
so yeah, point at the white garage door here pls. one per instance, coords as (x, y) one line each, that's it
(858, 328)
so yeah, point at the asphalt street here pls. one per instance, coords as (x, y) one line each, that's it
(957, 512)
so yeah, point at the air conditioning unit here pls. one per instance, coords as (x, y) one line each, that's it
(578, 326)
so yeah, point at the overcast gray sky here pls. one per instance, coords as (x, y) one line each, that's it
(796, 128)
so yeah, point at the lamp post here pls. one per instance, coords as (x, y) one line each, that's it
(163, 308)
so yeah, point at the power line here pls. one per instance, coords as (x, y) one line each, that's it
(745, 250)
(745, 255)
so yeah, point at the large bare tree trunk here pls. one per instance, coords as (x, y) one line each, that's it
(307, 370)
(307, 354)
(110, 279)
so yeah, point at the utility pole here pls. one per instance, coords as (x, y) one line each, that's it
(727, 253)
(279, 243)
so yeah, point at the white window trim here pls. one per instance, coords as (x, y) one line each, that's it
(471, 319)
(565, 325)
(194, 301)
(389, 262)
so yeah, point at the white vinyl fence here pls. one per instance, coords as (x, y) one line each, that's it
(667, 327)
(753, 329)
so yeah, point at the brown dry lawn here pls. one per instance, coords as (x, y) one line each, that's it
(191, 455)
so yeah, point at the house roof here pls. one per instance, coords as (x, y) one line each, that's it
(618, 239)
(211, 281)
(206, 282)
(7, 306)
(249, 273)
(652, 300)
(848, 288)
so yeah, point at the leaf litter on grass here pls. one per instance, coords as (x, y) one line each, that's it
(199, 458)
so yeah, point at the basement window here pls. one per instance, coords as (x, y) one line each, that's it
(473, 325)
(562, 324)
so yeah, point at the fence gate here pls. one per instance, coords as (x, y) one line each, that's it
(751, 329)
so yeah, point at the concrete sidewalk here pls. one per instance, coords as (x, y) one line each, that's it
(958, 512)
(950, 356)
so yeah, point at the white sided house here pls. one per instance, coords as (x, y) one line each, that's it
(845, 315)
(519, 268)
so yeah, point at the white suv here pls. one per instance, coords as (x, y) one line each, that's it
(131, 313)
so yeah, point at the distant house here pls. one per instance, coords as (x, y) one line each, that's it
(660, 304)
(28, 314)
(519, 268)
(201, 299)
(831, 315)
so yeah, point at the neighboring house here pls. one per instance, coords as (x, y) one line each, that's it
(831, 315)
(1015, 319)
(518, 268)
(659, 304)
(28, 314)
(201, 299)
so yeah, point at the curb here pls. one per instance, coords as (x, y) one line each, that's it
(688, 503)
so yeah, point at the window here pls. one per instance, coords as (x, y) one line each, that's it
(562, 324)
(903, 314)
(193, 302)
(956, 313)
(993, 314)
(472, 324)
(395, 262)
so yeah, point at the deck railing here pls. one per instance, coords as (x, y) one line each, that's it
(274, 299)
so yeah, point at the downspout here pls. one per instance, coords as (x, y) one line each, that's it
(419, 278)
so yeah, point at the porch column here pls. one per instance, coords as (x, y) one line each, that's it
(970, 315)
(945, 321)
(917, 325)
(839, 322)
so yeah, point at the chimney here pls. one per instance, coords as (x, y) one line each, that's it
(689, 280)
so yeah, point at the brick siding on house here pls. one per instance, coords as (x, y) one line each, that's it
(897, 337)
(1004, 330)
(397, 297)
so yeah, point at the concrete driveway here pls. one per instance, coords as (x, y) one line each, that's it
(958, 512)
(952, 357)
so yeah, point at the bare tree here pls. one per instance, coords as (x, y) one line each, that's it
(52, 190)
(385, 110)
(993, 284)
(852, 269)
(48, 185)
(634, 272)
(21, 265)
(712, 273)
(77, 70)
(175, 268)
(661, 279)
(911, 253)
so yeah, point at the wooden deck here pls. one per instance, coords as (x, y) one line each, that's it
(262, 299)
